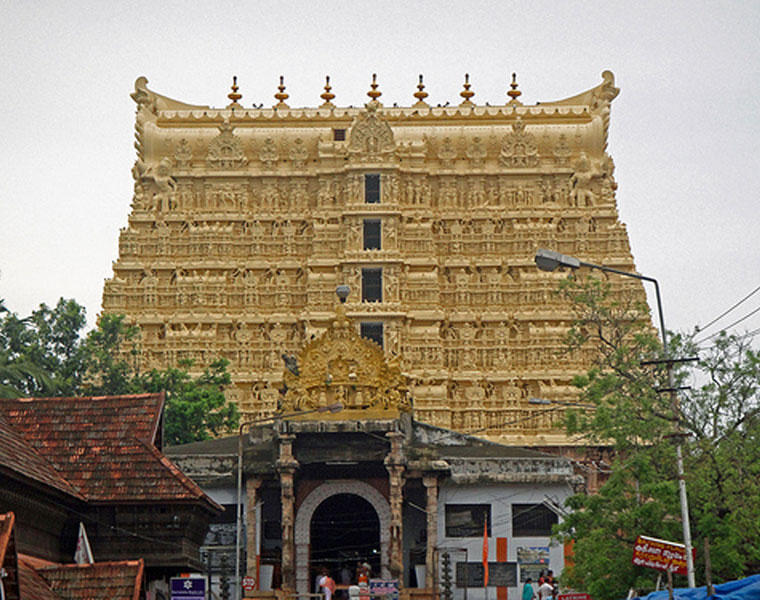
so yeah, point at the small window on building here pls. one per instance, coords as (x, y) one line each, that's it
(372, 285)
(372, 234)
(532, 520)
(372, 188)
(372, 331)
(467, 520)
(339, 135)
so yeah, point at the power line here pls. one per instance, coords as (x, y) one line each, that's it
(719, 317)
(744, 318)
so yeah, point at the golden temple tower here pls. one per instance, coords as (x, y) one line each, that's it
(244, 221)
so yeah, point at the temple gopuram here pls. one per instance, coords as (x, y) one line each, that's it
(244, 220)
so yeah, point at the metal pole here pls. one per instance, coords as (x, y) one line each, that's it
(677, 413)
(239, 516)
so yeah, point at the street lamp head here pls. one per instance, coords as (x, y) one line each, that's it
(549, 260)
(342, 292)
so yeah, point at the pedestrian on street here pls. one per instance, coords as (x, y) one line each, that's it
(528, 593)
(327, 584)
(545, 591)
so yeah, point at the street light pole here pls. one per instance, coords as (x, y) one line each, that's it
(549, 260)
(333, 408)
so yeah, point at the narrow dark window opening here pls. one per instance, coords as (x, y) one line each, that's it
(372, 331)
(372, 234)
(372, 188)
(372, 285)
(339, 135)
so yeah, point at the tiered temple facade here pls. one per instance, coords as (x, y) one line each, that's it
(244, 221)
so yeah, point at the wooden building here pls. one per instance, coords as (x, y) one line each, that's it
(95, 461)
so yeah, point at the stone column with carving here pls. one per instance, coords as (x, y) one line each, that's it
(395, 464)
(431, 508)
(287, 465)
(252, 485)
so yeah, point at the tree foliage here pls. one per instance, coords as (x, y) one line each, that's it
(719, 416)
(48, 354)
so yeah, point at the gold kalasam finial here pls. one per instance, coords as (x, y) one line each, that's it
(281, 96)
(233, 95)
(514, 93)
(374, 94)
(327, 96)
(467, 93)
(420, 94)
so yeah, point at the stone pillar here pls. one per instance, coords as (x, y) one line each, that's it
(394, 463)
(252, 485)
(431, 508)
(287, 465)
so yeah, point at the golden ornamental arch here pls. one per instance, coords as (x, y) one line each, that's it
(341, 366)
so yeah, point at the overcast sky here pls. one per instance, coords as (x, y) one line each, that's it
(685, 131)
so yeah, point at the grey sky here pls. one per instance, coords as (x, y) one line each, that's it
(685, 131)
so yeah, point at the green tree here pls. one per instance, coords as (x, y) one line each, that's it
(196, 408)
(47, 354)
(630, 416)
(39, 354)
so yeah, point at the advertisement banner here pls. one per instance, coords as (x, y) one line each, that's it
(659, 554)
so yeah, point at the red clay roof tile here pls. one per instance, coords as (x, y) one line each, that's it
(33, 586)
(103, 447)
(119, 580)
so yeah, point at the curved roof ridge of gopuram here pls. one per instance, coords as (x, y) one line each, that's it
(585, 104)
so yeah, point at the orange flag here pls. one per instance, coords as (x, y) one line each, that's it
(485, 552)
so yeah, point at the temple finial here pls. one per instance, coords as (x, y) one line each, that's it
(514, 93)
(420, 94)
(234, 95)
(281, 96)
(467, 93)
(374, 93)
(327, 95)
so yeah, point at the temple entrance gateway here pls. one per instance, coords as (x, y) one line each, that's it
(362, 501)
(345, 531)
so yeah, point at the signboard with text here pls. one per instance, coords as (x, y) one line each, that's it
(188, 588)
(659, 554)
(387, 588)
(574, 596)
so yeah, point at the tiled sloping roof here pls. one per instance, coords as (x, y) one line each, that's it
(33, 586)
(17, 455)
(102, 446)
(120, 580)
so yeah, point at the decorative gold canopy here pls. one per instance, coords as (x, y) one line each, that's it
(341, 366)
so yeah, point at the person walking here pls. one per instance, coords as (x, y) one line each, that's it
(327, 584)
(527, 592)
(545, 590)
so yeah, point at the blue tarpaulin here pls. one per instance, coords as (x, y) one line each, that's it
(744, 589)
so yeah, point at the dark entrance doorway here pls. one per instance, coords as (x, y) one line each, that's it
(345, 531)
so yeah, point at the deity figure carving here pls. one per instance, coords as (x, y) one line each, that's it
(225, 151)
(371, 137)
(298, 154)
(164, 183)
(268, 154)
(476, 152)
(447, 153)
(519, 149)
(183, 154)
(562, 151)
(582, 180)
